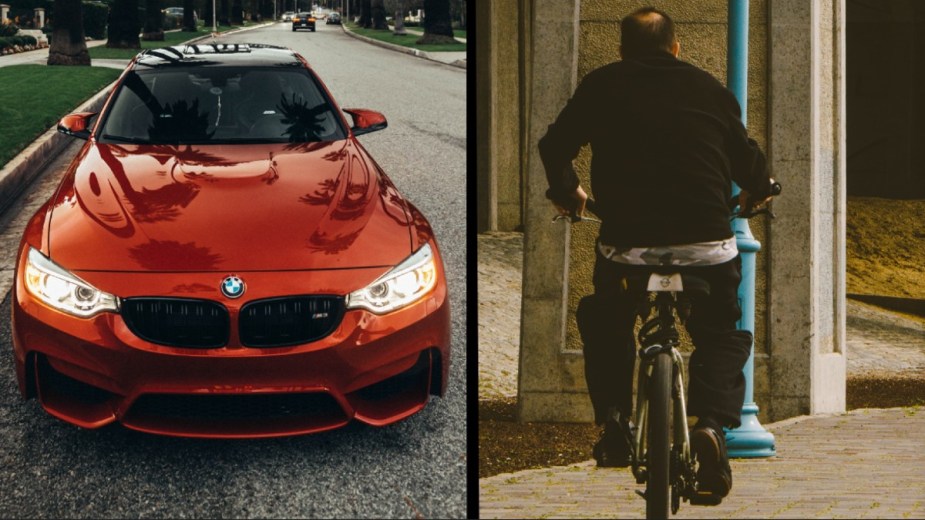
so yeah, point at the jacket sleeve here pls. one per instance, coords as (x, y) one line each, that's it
(749, 165)
(563, 139)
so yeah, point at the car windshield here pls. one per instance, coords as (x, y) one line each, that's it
(216, 105)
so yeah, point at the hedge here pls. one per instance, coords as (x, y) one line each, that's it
(10, 41)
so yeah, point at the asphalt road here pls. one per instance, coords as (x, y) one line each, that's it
(416, 468)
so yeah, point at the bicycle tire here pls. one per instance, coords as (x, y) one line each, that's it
(658, 437)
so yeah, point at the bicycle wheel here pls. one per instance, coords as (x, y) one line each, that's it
(658, 438)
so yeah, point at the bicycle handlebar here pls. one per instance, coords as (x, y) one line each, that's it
(733, 203)
(748, 211)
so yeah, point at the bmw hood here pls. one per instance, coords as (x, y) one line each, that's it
(227, 208)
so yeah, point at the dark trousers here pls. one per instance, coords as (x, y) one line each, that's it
(606, 320)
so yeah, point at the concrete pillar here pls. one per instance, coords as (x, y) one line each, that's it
(487, 203)
(40, 15)
(807, 246)
(4, 11)
(551, 386)
(499, 118)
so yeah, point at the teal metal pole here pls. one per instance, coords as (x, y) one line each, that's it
(750, 439)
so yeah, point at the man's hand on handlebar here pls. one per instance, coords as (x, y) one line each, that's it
(749, 207)
(573, 207)
(576, 203)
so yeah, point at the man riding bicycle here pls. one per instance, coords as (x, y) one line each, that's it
(667, 142)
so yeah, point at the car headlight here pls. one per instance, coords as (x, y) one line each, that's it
(408, 282)
(58, 288)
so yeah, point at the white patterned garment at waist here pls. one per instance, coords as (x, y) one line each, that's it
(701, 253)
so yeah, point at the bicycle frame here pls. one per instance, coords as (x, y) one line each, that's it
(681, 469)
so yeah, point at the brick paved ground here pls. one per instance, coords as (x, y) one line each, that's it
(863, 464)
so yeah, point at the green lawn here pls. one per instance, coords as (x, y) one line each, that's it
(405, 41)
(170, 38)
(27, 111)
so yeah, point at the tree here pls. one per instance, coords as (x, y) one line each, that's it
(378, 15)
(224, 8)
(68, 46)
(123, 27)
(207, 14)
(189, 21)
(237, 12)
(437, 26)
(365, 14)
(154, 21)
(399, 10)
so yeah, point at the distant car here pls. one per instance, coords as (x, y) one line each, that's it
(287, 16)
(175, 11)
(333, 18)
(303, 21)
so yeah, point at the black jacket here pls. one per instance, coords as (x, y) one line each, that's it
(667, 141)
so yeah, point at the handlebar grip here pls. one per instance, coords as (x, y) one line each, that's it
(775, 190)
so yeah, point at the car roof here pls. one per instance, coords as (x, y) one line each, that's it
(218, 54)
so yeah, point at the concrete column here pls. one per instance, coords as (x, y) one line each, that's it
(4, 11)
(500, 128)
(807, 245)
(40, 14)
(551, 385)
(487, 203)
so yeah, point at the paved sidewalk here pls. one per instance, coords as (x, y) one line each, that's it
(40, 56)
(863, 464)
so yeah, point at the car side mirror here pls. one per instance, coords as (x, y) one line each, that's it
(366, 121)
(76, 125)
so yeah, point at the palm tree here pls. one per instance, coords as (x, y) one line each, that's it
(189, 22)
(378, 15)
(365, 20)
(437, 26)
(124, 26)
(154, 21)
(223, 9)
(237, 12)
(68, 46)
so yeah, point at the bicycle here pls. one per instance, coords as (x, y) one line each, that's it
(661, 455)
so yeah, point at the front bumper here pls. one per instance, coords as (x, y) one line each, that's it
(92, 372)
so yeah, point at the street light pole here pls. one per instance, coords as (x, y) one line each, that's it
(750, 439)
(214, 28)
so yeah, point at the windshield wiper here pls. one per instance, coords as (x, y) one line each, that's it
(119, 138)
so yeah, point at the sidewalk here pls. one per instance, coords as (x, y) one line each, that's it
(866, 463)
(40, 57)
(456, 59)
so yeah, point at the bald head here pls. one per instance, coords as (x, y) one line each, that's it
(647, 31)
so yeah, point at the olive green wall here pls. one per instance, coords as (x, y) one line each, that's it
(701, 28)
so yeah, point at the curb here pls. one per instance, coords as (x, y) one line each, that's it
(226, 33)
(407, 50)
(17, 174)
(21, 170)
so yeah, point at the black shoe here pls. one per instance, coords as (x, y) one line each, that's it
(614, 448)
(714, 475)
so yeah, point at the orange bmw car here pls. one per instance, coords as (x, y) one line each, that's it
(223, 258)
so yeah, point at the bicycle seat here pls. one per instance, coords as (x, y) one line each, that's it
(668, 280)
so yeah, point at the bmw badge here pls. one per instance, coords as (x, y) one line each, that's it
(232, 287)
